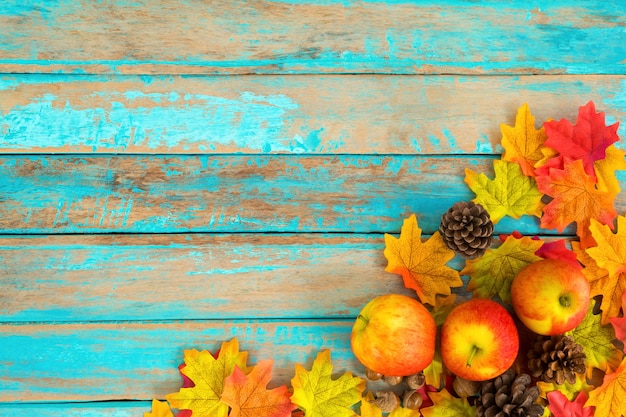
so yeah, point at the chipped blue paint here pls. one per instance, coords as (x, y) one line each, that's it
(91, 409)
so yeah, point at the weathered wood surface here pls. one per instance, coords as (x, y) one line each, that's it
(317, 114)
(115, 361)
(173, 277)
(94, 409)
(261, 193)
(315, 36)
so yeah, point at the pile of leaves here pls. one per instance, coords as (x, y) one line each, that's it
(564, 175)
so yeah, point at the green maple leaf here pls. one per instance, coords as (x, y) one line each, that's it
(510, 193)
(597, 342)
(319, 395)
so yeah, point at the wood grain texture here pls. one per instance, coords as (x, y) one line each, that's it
(318, 114)
(174, 194)
(93, 409)
(223, 276)
(316, 36)
(118, 361)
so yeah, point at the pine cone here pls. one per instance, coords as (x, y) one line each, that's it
(556, 359)
(509, 395)
(467, 229)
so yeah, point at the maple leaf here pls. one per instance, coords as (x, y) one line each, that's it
(208, 375)
(601, 283)
(319, 395)
(605, 170)
(493, 272)
(422, 265)
(557, 249)
(248, 396)
(561, 406)
(610, 252)
(575, 198)
(586, 141)
(159, 409)
(570, 391)
(445, 405)
(597, 342)
(609, 399)
(619, 323)
(509, 193)
(522, 143)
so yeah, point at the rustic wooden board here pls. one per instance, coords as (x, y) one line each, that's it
(117, 361)
(93, 409)
(225, 276)
(314, 36)
(232, 193)
(320, 114)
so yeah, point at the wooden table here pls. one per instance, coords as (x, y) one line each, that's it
(176, 175)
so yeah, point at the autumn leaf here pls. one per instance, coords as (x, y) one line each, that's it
(570, 391)
(597, 342)
(561, 406)
(208, 375)
(492, 273)
(159, 409)
(610, 252)
(248, 396)
(557, 249)
(619, 323)
(522, 143)
(575, 198)
(605, 170)
(609, 399)
(319, 395)
(445, 405)
(422, 265)
(510, 193)
(586, 141)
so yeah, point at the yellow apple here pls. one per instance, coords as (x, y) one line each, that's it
(550, 296)
(394, 335)
(479, 340)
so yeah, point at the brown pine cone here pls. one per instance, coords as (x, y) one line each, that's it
(509, 395)
(467, 229)
(556, 359)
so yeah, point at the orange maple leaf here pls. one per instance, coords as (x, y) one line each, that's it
(445, 405)
(610, 252)
(248, 396)
(319, 395)
(422, 265)
(609, 399)
(575, 198)
(605, 170)
(523, 143)
(493, 272)
(159, 409)
(601, 283)
(619, 323)
(208, 374)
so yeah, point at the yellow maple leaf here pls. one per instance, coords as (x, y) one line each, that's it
(610, 252)
(372, 410)
(605, 170)
(493, 273)
(319, 395)
(422, 265)
(569, 390)
(510, 193)
(611, 288)
(208, 374)
(445, 405)
(159, 409)
(609, 399)
(597, 342)
(523, 143)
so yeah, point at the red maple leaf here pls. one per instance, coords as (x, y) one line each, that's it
(587, 140)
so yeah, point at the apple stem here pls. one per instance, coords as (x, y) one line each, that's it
(475, 350)
(564, 301)
(361, 317)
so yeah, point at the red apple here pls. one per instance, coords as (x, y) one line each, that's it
(394, 335)
(550, 296)
(479, 340)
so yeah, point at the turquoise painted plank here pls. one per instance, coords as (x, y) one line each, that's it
(233, 193)
(129, 361)
(93, 409)
(222, 276)
(326, 114)
(410, 37)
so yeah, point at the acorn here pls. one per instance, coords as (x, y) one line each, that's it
(393, 380)
(416, 381)
(373, 375)
(465, 388)
(387, 401)
(412, 400)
